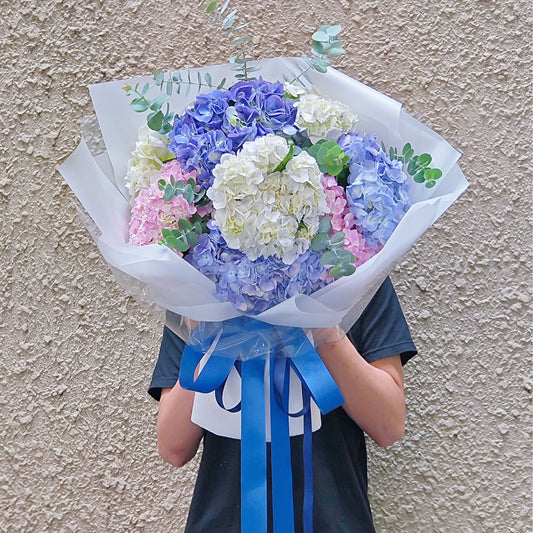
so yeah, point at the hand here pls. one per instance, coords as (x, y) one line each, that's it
(327, 335)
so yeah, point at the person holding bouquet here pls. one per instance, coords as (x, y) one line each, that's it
(366, 365)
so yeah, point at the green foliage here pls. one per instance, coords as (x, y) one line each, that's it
(325, 45)
(286, 159)
(186, 236)
(333, 252)
(157, 120)
(416, 166)
(329, 157)
(188, 190)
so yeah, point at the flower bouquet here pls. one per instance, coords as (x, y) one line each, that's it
(258, 208)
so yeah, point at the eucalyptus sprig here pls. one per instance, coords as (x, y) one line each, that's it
(157, 120)
(188, 190)
(329, 157)
(325, 45)
(186, 236)
(416, 166)
(333, 252)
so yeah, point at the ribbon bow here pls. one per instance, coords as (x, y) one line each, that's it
(250, 345)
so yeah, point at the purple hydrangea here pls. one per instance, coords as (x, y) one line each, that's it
(377, 190)
(222, 121)
(254, 286)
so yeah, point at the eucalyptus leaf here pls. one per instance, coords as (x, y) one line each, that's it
(423, 160)
(211, 6)
(337, 237)
(319, 242)
(140, 105)
(324, 225)
(320, 36)
(328, 258)
(333, 31)
(335, 272)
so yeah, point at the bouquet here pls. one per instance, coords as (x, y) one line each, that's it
(260, 208)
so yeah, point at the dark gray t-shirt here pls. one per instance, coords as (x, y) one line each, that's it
(339, 451)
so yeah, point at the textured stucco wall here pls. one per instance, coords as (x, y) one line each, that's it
(77, 429)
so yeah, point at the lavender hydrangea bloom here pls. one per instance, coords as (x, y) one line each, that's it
(222, 121)
(254, 286)
(377, 190)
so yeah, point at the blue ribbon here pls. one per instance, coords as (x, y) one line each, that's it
(247, 344)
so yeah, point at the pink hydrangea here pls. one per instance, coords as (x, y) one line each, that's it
(342, 219)
(150, 213)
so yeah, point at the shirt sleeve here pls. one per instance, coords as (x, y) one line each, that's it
(381, 330)
(167, 368)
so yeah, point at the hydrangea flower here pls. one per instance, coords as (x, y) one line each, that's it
(151, 151)
(321, 117)
(342, 219)
(254, 286)
(262, 212)
(222, 121)
(150, 213)
(377, 190)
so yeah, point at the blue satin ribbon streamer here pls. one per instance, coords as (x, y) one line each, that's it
(247, 344)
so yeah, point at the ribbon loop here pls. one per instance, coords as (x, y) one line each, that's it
(252, 347)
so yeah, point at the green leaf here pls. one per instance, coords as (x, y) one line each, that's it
(155, 121)
(328, 258)
(337, 237)
(324, 225)
(166, 232)
(208, 79)
(320, 67)
(211, 6)
(199, 76)
(419, 176)
(221, 84)
(345, 256)
(335, 272)
(429, 174)
(158, 101)
(333, 31)
(286, 159)
(320, 36)
(317, 49)
(347, 270)
(229, 20)
(161, 184)
(411, 167)
(140, 105)
(423, 160)
(430, 184)
(319, 242)
(336, 51)
(169, 193)
(184, 224)
(180, 245)
(242, 40)
(192, 238)
(437, 173)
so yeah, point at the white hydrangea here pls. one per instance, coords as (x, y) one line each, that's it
(322, 117)
(262, 212)
(151, 151)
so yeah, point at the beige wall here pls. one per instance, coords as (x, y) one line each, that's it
(77, 429)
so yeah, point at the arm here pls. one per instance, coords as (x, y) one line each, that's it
(373, 392)
(178, 437)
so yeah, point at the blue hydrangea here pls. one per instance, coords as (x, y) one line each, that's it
(222, 121)
(254, 286)
(377, 189)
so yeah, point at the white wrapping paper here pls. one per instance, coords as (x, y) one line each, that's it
(176, 286)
